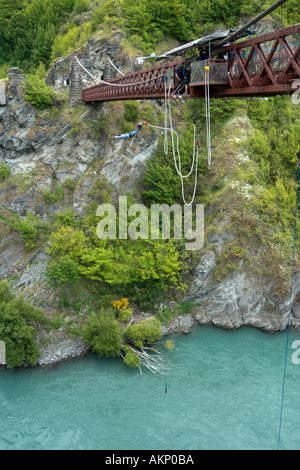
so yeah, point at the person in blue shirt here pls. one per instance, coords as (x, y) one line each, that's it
(187, 76)
(128, 135)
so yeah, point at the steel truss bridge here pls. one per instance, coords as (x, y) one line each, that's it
(260, 66)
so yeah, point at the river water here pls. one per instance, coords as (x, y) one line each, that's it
(224, 391)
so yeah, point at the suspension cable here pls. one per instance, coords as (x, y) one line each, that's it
(116, 84)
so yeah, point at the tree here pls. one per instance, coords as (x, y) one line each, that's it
(81, 5)
(15, 330)
(63, 273)
(104, 334)
(5, 171)
(147, 331)
(42, 45)
(37, 93)
(68, 241)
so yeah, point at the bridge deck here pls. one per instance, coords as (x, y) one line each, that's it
(261, 66)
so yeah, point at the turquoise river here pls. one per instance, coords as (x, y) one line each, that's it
(224, 392)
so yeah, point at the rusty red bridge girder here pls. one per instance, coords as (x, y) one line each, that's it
(260, 66)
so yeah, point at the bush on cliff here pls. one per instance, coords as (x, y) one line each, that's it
(37, 93)
(16, 328)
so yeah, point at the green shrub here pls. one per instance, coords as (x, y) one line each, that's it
(68, 241)
(186, 307)
(132, 111)
(3, 71)
(131, 359)
(81, 5)
(16, 328)
(65, 301)
(57, 321)
(65, 272)
(30, 228)
(147, 331)
(41, 71)
(104, 334)
(69, 184)
(5, 171)
(124, 314)
(64, 43)
(66, 218)
(37, 93)
(50, 197)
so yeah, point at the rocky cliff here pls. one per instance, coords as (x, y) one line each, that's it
(70, 148)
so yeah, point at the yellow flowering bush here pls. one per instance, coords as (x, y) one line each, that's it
(124, 313)
(121, 304)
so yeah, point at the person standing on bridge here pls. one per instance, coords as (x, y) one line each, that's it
(187, 76)
(180, 77)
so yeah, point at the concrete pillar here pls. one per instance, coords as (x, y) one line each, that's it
(16, 80)
(2, 93)
(76, 86)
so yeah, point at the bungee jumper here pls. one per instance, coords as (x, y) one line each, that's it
(128, 135)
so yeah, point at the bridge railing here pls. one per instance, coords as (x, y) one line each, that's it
(271, 59)
(218, 71)
(142, 84)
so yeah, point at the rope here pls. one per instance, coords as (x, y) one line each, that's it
(165, 128)
(154, 142)
(207, 114)
(178, 89)
(290, 308)
(166, 142)
(195, 153)
(164, 304)
(119, 71)
(115, 84)
(178, 169)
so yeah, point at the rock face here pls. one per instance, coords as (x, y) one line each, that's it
(61, 350)
(93, 57)
(240, 300)
(33, 141)
(242, 297)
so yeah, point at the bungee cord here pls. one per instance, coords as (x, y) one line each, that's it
(169, 128)
(207, 114)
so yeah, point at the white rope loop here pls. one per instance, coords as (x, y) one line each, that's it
(169, 128)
